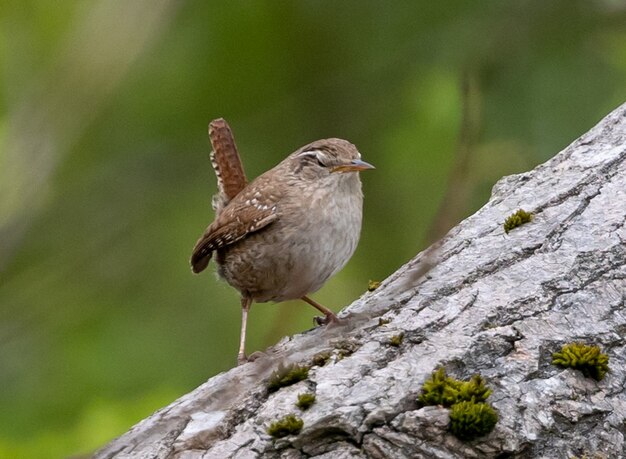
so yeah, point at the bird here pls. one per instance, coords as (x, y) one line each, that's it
(283, 235)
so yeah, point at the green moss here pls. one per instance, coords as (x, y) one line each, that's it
(345, 348)
(305, 401)
(440, 389)
(474, 390)
(587, 455)
(320, 359)
(382, 321)
(286, 376)
(470, 416)
(587, 359)
(518, 218)
(289, 425)
(372, 285)
(396, 340)
(469, 420)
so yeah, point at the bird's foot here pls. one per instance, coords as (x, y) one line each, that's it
(327, 319)
(242, 358)
(256, 355)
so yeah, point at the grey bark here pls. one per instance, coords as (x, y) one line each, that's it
(480, 301)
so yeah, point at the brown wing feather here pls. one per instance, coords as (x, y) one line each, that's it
(232, 225)
(231, 178)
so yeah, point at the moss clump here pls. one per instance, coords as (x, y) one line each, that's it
(372, 285)
(474, 390)
(587, 455)
(286, 376)
(469, 420)
(588, 359)
(396, 340)
(289, 425)
(345, 348)
(382, 321)
(518, 218)
(320, 359)
(305, 401)
(470, 416)
(440, 389)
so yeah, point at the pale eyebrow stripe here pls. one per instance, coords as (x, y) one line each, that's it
(309, 153)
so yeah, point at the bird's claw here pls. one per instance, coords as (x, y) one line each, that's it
(326, 320)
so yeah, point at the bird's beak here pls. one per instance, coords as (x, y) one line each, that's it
(355, 165)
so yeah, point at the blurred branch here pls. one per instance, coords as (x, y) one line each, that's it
(41, 128)
(455, 201)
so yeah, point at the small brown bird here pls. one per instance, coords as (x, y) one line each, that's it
(286, 233)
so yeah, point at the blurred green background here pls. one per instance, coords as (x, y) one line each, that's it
(105, 183)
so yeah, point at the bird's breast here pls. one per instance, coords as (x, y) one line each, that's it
(314, 237)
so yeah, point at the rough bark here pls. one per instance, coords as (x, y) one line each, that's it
(481, 301)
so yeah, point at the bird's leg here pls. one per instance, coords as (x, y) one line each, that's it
(246, 302)
(329, 316)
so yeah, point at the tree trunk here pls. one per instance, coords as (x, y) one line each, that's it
(480, 301)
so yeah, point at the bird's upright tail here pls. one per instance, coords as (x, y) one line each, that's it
(231, 178)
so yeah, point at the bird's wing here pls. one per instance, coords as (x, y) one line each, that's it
(231, 178)
(245, 215)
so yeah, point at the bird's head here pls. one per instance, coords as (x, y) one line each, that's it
(327, 157)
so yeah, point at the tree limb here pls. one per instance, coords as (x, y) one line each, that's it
(482, 302)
